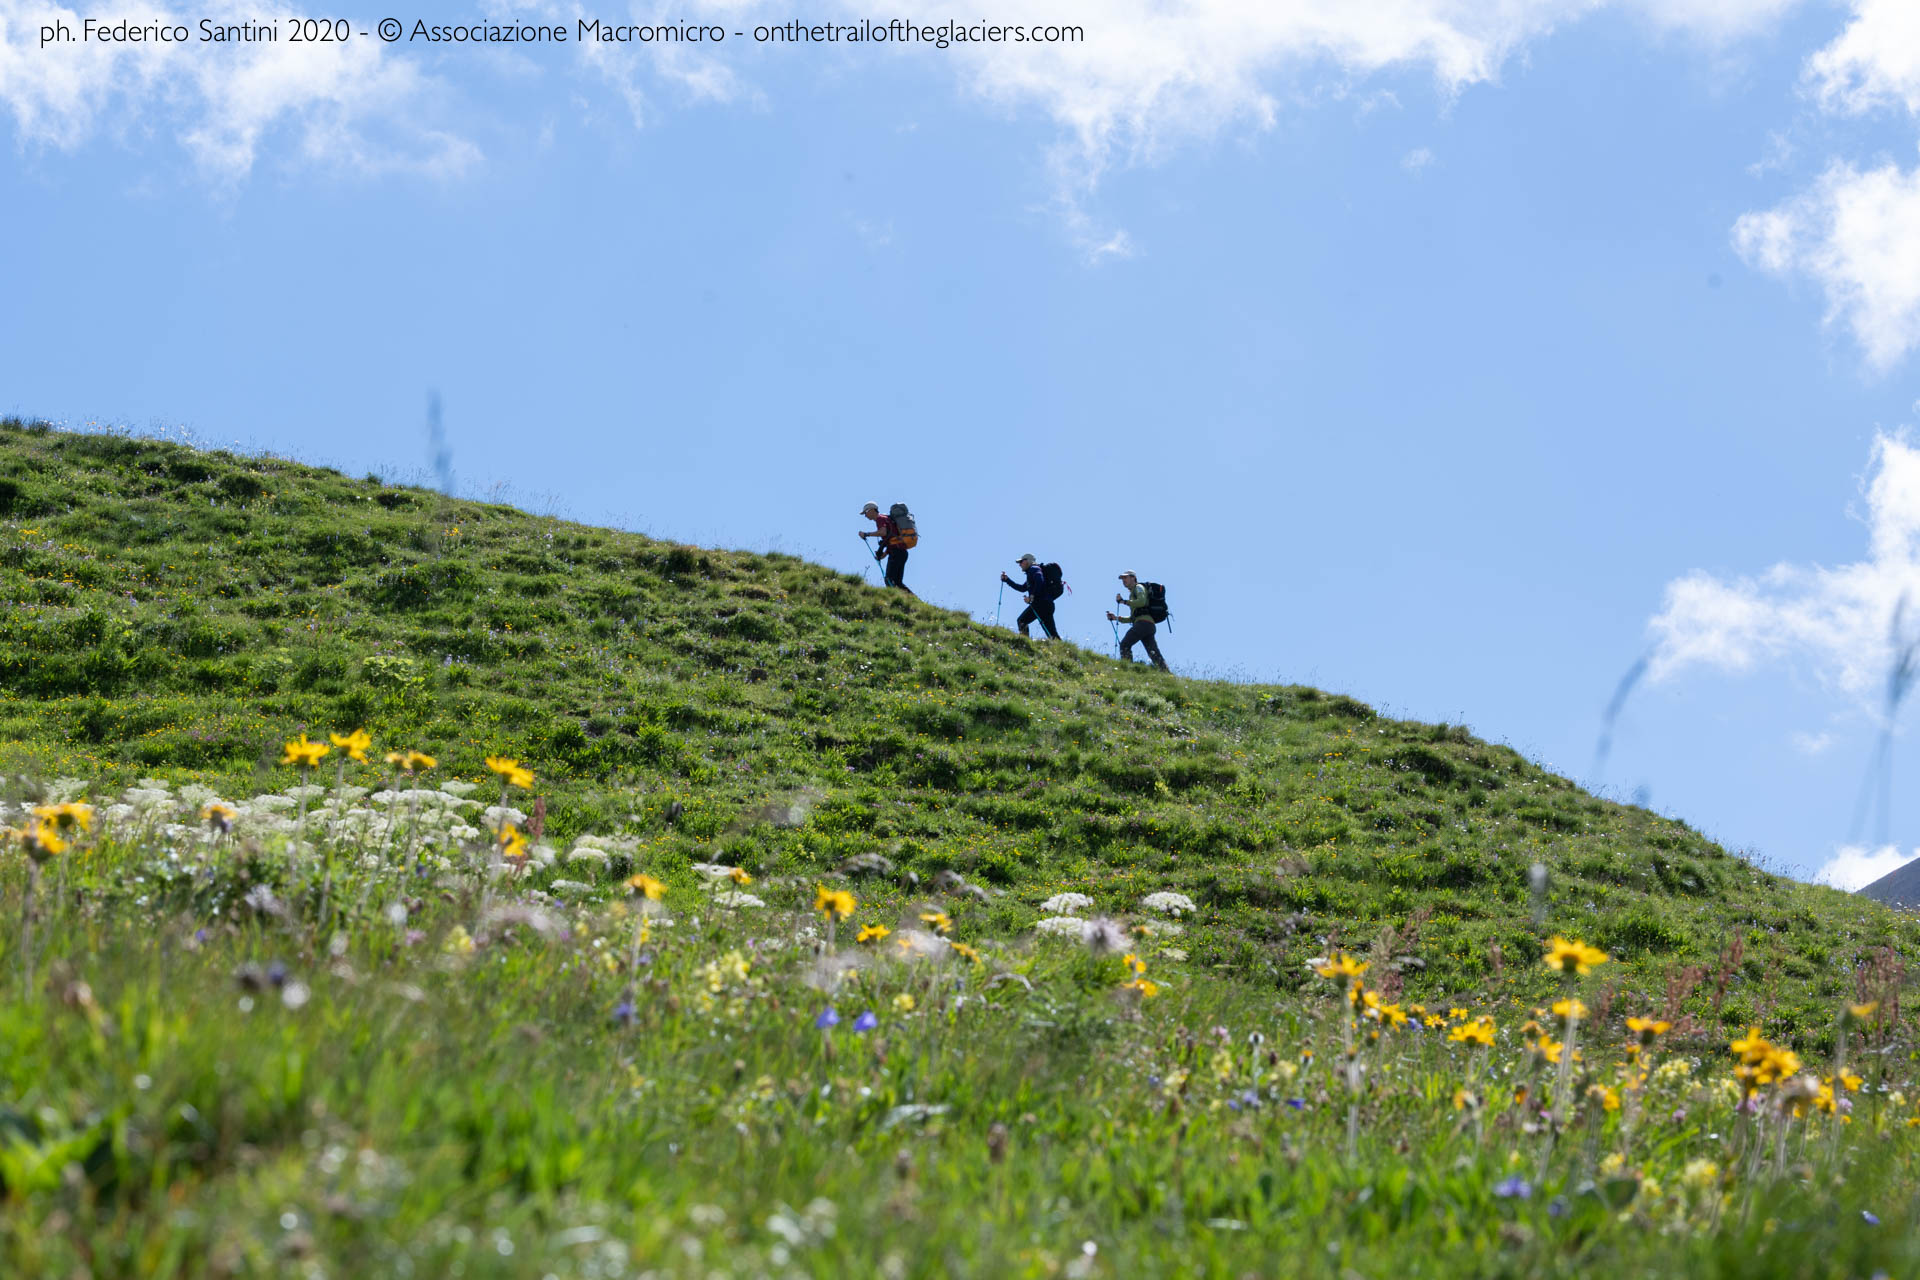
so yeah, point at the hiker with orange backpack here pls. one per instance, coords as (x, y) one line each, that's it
(1146, 606)
(897, 536)
(1043, 585)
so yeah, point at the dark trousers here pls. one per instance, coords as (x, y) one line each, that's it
(896, 574)
(1043, 610)
(1141, 632)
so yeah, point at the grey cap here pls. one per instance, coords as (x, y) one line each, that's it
(1128, 573)
(1028, 558)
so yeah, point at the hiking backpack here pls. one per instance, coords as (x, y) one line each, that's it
(1050, 573)
(1156, 601)
(903, 530)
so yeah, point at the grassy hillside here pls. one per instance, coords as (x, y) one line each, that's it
(180, 613)
(336, 1027)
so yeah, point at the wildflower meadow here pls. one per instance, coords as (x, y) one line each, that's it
(500, 897)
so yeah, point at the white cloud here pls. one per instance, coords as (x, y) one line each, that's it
(1855, 867)
(1875, 62)
(1856, 233)
(1813, 744)
(1416, 160)
(1858, 236)
(350, 105)
(1836, 621)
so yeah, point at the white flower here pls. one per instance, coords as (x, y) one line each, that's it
(1168, 904)
(498, 813)
(1066, 903)
(459, 788)
(734, 898)
(570, 888)
(588, 854)
(1162, 928)
(1062, 926)
(713, 870)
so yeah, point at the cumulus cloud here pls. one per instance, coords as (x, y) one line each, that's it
(1837, 622)
(1855, 867)
(1856, 233)
(1858, 236)
(351, 105)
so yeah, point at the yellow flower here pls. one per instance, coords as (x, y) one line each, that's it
(938, 921)
(1849, 1081)
(1861, 1012)
(355, 744)
(642, 883)
(303, 753)
(903, 1003)
(1341, 965)
(739, 875)
(1569, 1010)
(459, 942)
(1751, 1047)
(66, 816)
(219, 815)
(1147, 987)
(511, 771)
(1479, 1031)
(1648, 1028)
(1700, 1174)
(1458, 1015)
(409, 761)
(873, 933)
(1606, 1097)
(1464, 1100)
(834, 904)
(41, 840)
(1133, 963)
(513, 844)
(967, 951)
(1564, 954)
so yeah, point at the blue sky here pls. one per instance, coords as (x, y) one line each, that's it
(1453, 359)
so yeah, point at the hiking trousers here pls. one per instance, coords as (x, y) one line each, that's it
(1044, 612)
(896, 575)
(1141, 633)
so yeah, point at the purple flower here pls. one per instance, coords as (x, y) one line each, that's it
(1557, 1207)
(1866, 1215)
(866, 1021)
(623, 1013)
(1298, 1104)
(276, 973)
(827, 1019)
(1514, 1188)
(199, 935)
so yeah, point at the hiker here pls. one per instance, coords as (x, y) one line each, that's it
(897, 537)
(1140, 618)
(1043, 586)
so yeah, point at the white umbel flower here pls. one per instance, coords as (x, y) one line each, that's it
(1063, 904)
(1168, 904)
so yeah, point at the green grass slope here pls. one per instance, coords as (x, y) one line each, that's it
(180, 613)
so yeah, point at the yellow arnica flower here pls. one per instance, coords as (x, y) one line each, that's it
(303, 753)
(409, 761)
(873, 933)
(1751, 1047)
(511, 771)
(1564, 954)
(513, 844)
(834, 904)
(1133, 963)
(220, 815)
(41, 839)
(1648, 1028)
(646, 885)
(1565, 1009)
(1861, 1012)
(938, 921)
(1479, 1031)
(740, 876)
(355, 744)
(903, 1003)
(1607, 1098)
(1147, 987)
(967, 951)
(1463, 1100)
(66, 816)
(1341, 966)
(1849, 1081)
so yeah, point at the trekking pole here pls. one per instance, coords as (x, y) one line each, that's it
(865, 551)
(998, 600)
(1116, 636)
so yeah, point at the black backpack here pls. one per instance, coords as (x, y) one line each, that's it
(1056, 583)
(1156, 601)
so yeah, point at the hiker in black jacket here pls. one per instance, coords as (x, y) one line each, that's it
(1039, 597)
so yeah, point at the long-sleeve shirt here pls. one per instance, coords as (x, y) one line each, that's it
(1035, 586)
(1137, 605)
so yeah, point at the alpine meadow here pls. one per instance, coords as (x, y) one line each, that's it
(404, 885)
